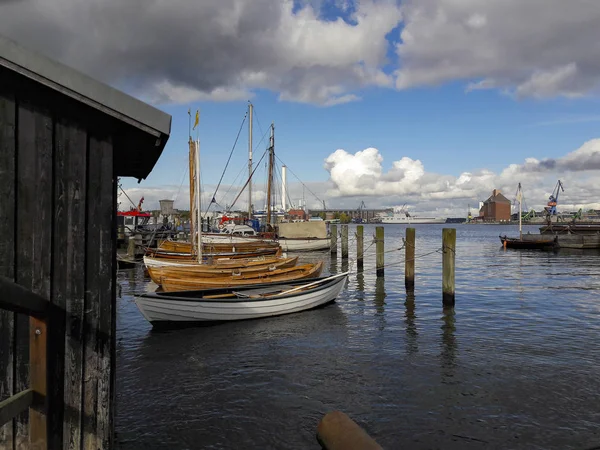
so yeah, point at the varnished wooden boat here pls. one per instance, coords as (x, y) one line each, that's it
(219, 270)
(206, 256)
(185, 283)
(186, 247)
(221, 262)
(227, 304)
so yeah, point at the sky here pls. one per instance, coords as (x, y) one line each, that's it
(430, 104)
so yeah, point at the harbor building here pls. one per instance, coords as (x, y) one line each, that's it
(496, 208)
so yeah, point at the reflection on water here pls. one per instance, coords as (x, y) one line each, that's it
(516, 356)
(412, 345)
(380, 295)
(449, 347)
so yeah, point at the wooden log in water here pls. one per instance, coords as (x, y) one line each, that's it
(379, 249)
(409, 259)
(333, 239)
(359, 247)
(448, 257)
(344, 241)
(337, 431)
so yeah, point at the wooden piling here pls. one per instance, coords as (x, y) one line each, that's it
(448, 257)
(344, 241)
(337, 431)
(409, 259)
(379, 249)
(359, 247)
(333, 239)
(131, 247)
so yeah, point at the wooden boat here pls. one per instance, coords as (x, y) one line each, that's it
(218, 270)
(184, 282)
(222, 261)
(527, 241)
(239, 303)
(224, 246)
(530, 241)
(214, 255)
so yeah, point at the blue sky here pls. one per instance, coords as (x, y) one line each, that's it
(432, 103)
(448, 129)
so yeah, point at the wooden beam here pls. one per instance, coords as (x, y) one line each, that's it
(38, 360)
(33, 267)
(15, 405)
(68, 287)
(7, 251)
(17, 299)
(99, 299)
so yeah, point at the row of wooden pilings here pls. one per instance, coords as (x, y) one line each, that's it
(337, 431)
(448, 251)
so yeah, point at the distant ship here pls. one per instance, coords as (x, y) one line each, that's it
(403, 216)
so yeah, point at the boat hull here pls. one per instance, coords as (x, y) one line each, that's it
(169, 308)
(535, 242)
(304, 244)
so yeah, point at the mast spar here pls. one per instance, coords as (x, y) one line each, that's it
(198, 202)
(250, 109)
(270, 179)
(520, 195)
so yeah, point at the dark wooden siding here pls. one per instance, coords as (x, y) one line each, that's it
(57, 206)
(7, 246)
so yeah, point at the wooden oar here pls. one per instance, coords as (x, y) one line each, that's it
(304, 286)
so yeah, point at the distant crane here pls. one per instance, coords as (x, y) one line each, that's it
(359, 210)
(553, 199)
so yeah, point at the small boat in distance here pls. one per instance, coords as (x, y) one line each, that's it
(528, 241)
(239, 303)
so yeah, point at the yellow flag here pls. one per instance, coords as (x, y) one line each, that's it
(197, 119)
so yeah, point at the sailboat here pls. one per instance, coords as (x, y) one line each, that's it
(170, 252)
(527, 241)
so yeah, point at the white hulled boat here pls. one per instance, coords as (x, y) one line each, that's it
(403, 216)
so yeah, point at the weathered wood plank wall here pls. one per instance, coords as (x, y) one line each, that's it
(69, 261)
(97, 383)
(33, 267)
(7, 254)
(57, 208)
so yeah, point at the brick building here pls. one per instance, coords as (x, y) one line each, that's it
(496, 208)
(296, 214)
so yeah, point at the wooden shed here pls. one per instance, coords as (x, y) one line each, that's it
(64, 140)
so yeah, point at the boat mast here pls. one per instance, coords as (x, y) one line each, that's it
(520, 202)
(250, 108)
(270, 179)
(192, 190)
(198, 203)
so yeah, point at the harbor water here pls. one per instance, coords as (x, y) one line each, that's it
(515, 365)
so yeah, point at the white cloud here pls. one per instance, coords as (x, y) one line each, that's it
(360, 175)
